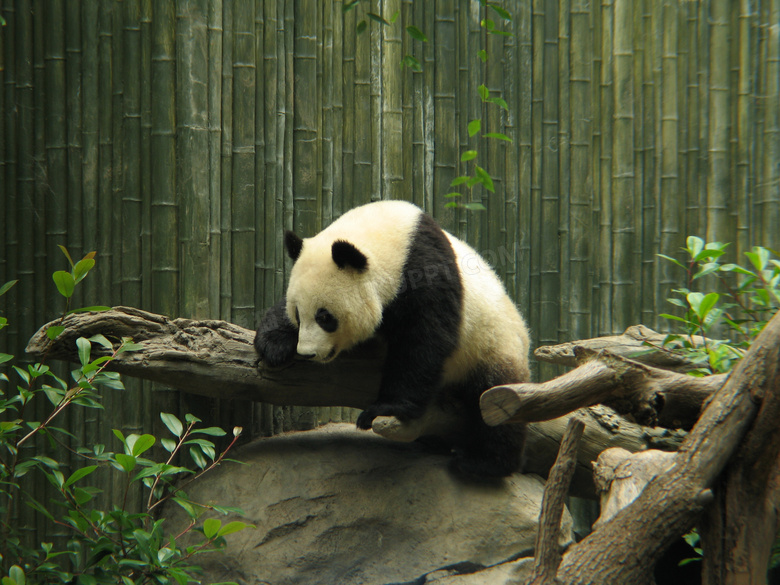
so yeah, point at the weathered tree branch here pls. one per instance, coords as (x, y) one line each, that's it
(649, 395)
(217, 359)
(638, 342)
(672, 501)
(547, 553)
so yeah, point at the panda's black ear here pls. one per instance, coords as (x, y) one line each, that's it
(345, 254)
(293, 244)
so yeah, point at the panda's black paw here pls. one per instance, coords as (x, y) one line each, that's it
(276, 339)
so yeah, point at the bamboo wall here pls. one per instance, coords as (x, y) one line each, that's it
(178, 139)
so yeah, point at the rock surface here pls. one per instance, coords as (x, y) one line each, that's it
(337, 505)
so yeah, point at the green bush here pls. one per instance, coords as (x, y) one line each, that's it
(116, 544)
(748, 298)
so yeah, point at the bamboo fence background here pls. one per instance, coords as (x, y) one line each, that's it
(178, 139)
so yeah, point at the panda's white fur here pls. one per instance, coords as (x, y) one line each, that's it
(387, 268)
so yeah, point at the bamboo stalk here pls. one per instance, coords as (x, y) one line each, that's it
(718, 206)
(581, 200)
(243, 157)
(769, 185)
(745, 126)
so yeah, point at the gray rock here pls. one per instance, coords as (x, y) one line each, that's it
(342, 506)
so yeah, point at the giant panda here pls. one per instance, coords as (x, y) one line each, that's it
(388, 269)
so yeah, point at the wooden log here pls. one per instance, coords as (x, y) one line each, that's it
(638, 342)
(648, 395)
(217, 359)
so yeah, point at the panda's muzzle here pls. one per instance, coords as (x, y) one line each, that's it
(313, 356)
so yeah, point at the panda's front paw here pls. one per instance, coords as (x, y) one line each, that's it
(275, 348)
(276, 339)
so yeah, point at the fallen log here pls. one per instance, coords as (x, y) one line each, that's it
(217, 359)
(647, 395)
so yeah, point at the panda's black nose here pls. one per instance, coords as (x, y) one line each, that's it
(306, 356)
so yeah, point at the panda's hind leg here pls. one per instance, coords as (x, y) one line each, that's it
(486, 451)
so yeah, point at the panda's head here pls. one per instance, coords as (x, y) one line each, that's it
(330, 297)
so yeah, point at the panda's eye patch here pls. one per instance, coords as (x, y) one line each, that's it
(326, 320)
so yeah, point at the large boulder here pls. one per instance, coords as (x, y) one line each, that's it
(342, 506)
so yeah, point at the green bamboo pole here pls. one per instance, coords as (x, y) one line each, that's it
(646, 79)
(537, 324)
(511, 88)
(624, 200)
(16, 144)
(445, 133)
(219, 112)
(74, 127)
(164, 263)
(581, 251)
(563, 143)
(718, 223)
(550, 200)
(525, 242)
(130, 224)
(89, 84)
(745, 125)
(226, 160)
(392, 147)
(362, 122)
(145, 162)
(696, 206)
(5, 166)
(104, 187)
(327, 57)
(769, 182)
(607, 110)
(193, 149)
(242, 235)
(671, 208)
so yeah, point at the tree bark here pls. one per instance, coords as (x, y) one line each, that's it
(670, 504)
(648, 395)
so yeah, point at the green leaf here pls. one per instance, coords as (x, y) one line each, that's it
(67, 254)
(127, 462)
(475, 206)
(142, 444)
(484, 93)
(17, 574)
(82, 268)
(395, 16)
(759, 257)
(7, 286)
(84, 349)
(416, 33)
(499, 102)
(93, 309)
(487, 24)
(79, 473)
(5, 357)
(411, 62)
(497, 135)
(53, 331)
(65, 283)
(212, 431)
(468, 155)
(347, 6)
(459, 180)
(232, 527)
(484, 178)
(174, 424)
(694, 245)
(168, 444)
(483, 56)
(500, 11)
(361, 26)
(674, 260)
(101, 340)
(211, 527)
(474, 126)
(377, 18)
